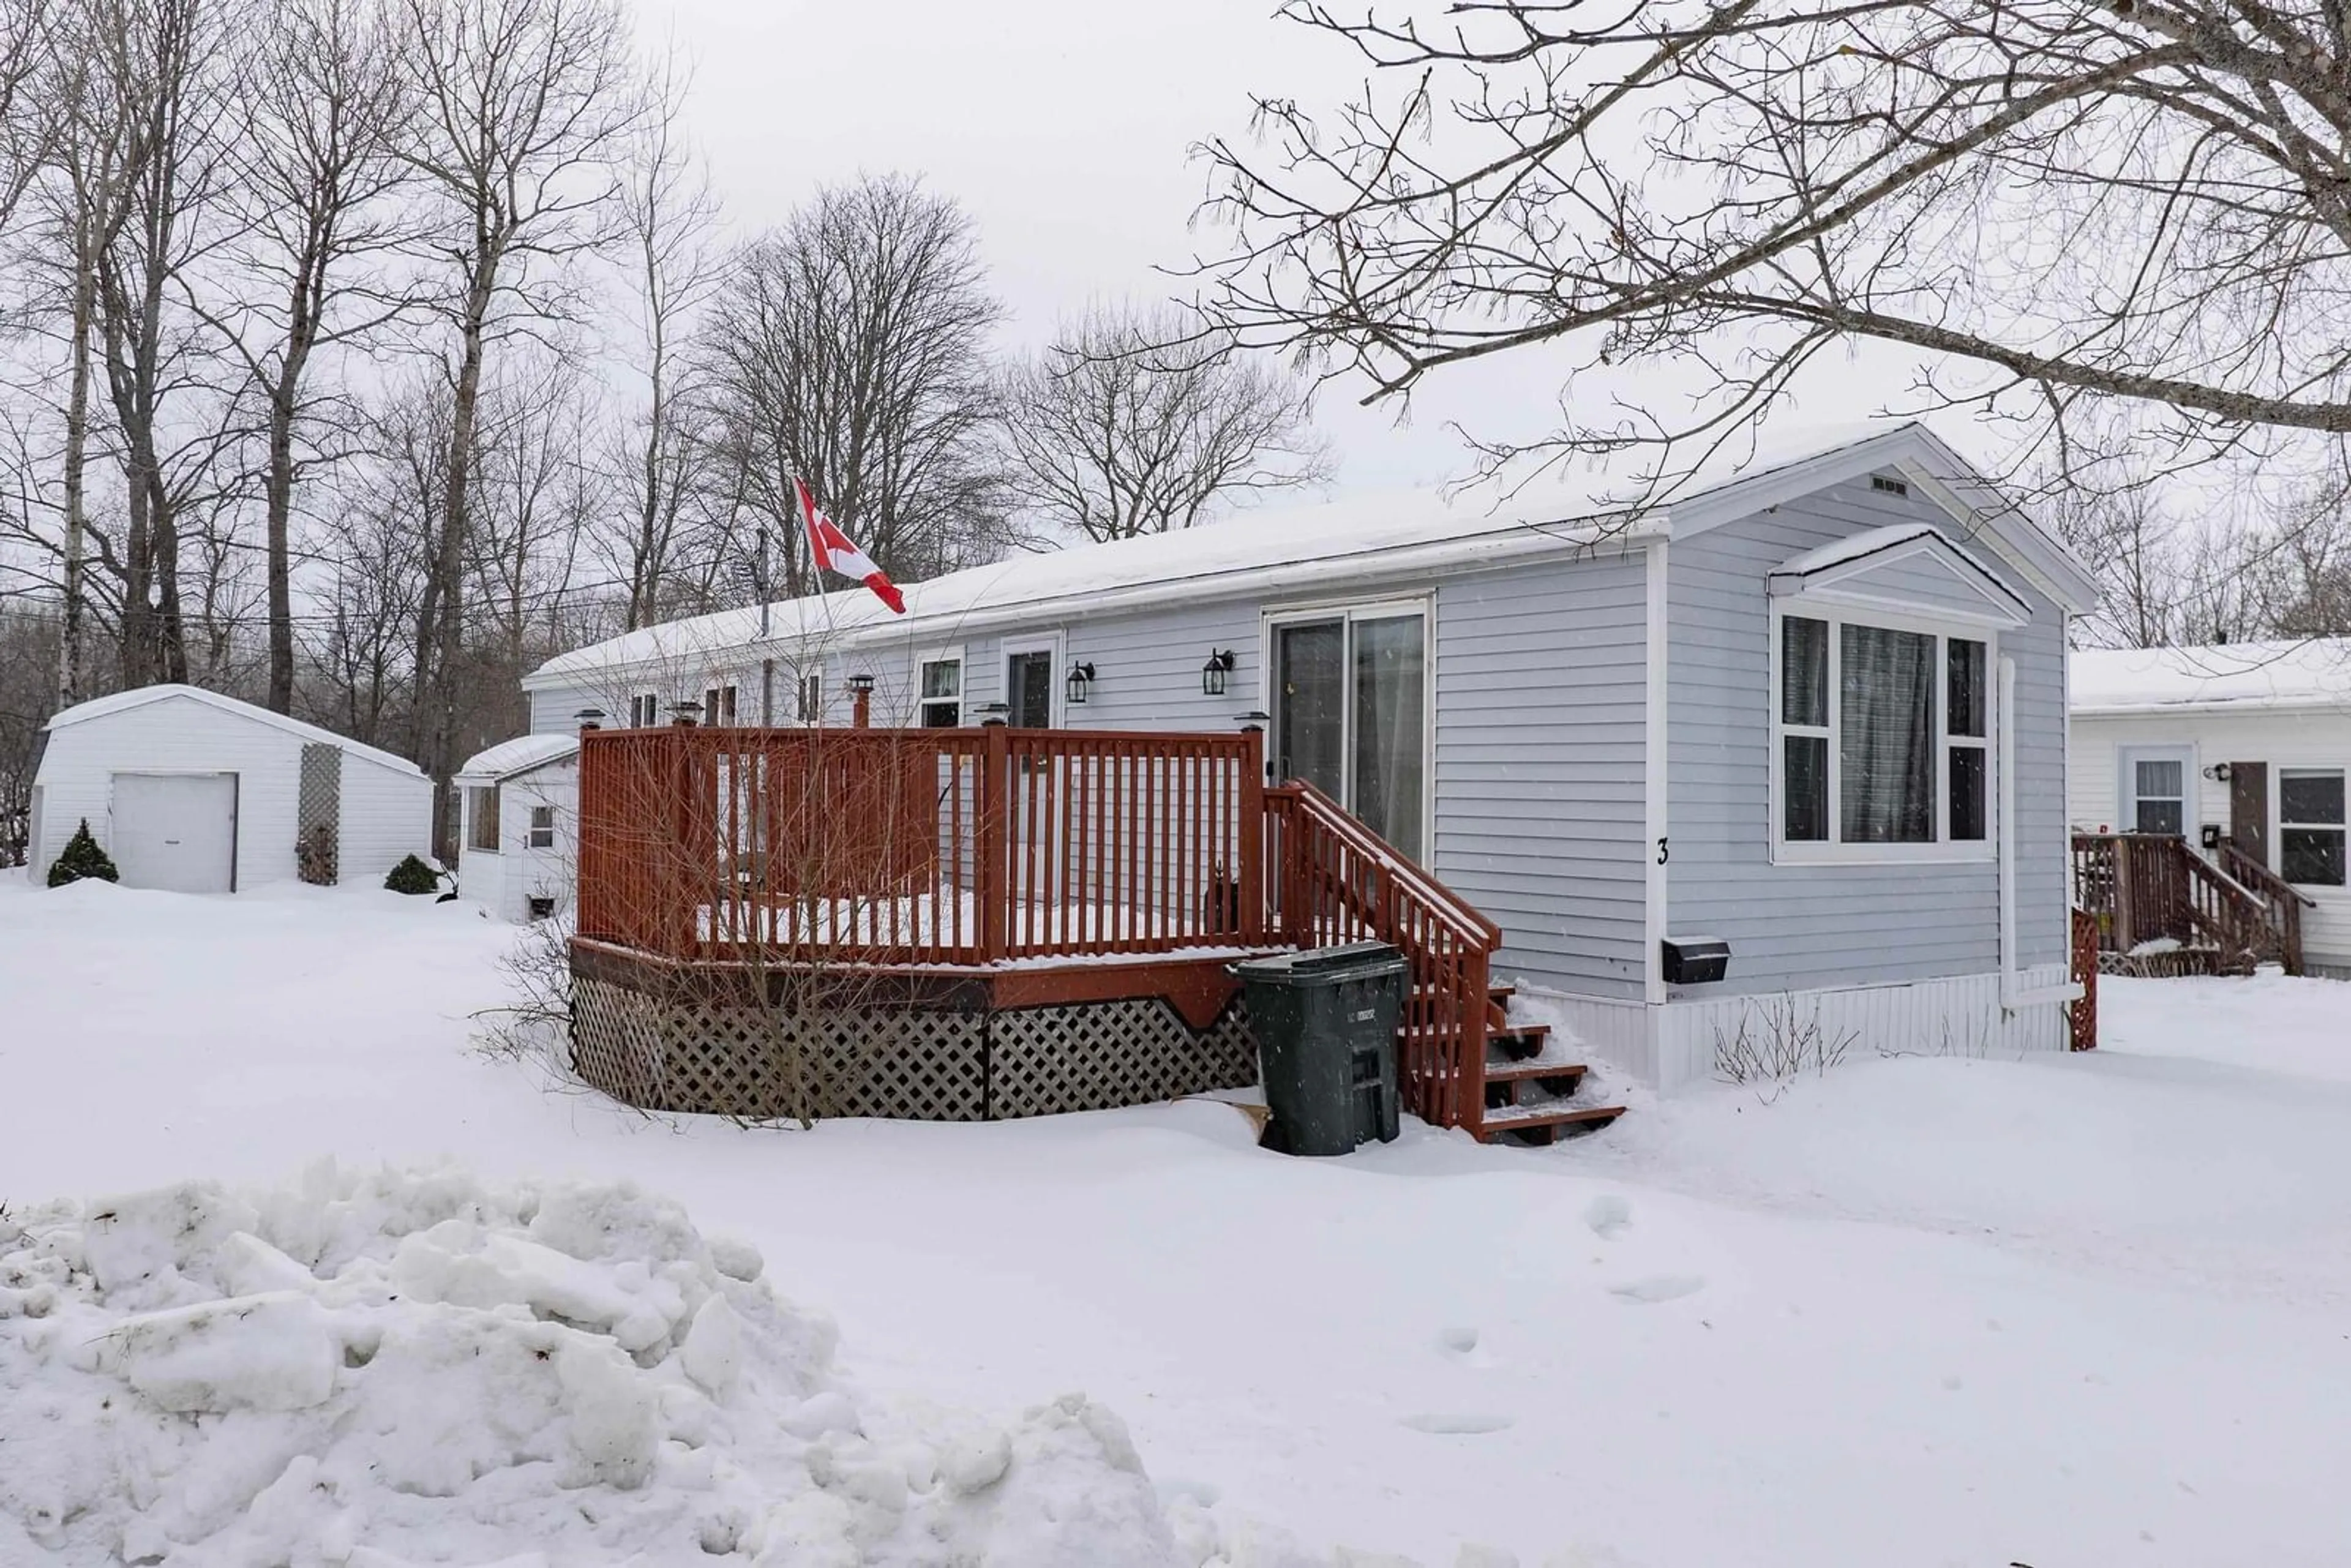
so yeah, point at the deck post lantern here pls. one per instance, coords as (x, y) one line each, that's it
(1081, 682)
(860, 697)
(685, 715)
(993, 713)
(588, 718)
(1213, 673)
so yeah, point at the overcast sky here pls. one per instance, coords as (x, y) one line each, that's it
(1064, 127)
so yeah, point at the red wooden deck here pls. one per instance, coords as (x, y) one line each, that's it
(1050, 866)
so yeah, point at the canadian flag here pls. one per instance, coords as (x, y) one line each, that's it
(834, 552)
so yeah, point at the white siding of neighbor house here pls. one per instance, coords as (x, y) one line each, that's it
(2280, 739)
(380, 808)
(1804, 926)
(504, 881)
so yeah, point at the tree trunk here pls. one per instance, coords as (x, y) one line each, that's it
(448, 572)
(69, 672)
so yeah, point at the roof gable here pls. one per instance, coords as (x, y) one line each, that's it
(1906, 567)
(141, 696)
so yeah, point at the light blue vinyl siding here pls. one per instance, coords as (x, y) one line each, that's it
(1540, 701)
(1793, 926)
(1922, 580)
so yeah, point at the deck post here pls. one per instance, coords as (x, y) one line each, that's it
(989, 865)
(1251, 873)
(2126, 938)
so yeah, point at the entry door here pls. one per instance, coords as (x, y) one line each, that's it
(1349, 715)
(1030, 683)
(175, 831)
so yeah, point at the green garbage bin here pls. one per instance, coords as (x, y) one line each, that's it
(1325, 1023)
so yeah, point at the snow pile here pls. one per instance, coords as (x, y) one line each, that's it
(380, 1369)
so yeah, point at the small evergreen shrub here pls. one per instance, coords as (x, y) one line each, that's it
(412, 875)
(83, 859)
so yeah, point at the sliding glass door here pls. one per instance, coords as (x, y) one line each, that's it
(1350, 714)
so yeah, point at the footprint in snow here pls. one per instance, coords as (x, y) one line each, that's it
(1459, 1426)
(1608, 1214)
(1658, 1288)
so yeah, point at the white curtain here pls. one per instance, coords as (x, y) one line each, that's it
(1886, 736)
(1389, 681)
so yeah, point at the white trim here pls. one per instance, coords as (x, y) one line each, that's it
(1347, 611)
(1053, 643)
(1657, 734)
(1942, 849)
(1845, 579)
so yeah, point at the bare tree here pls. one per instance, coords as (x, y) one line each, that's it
(29, 122)
(668, 217)
(2064, 209)
(1142, 423)
(170, 58)
(323, 105)
(849, 348)
(82, 91)
(522, 107)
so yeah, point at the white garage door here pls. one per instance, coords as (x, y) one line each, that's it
(176, 832)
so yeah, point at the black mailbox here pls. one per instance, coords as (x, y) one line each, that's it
(1696, 960)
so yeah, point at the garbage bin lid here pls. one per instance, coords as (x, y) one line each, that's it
(1321, 963)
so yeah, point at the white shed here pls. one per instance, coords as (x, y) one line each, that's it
(194, 792)
(521, 836)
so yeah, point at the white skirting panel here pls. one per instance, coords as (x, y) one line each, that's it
(1673, 1046)
(1617, 1031)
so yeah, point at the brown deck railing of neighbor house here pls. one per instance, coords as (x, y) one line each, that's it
(2142, 888)
(966, 847)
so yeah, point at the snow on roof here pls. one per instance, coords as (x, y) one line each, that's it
(2250, 675)
(520, 754)
(139, 696)
(1334, 538)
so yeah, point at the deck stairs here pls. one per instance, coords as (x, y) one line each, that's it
(1533, 1083)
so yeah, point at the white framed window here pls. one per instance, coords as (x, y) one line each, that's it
(810, 707)
(542, 827)
(644, 710)
(1881, 737)
(718, 705)
(2157, 790)
(939, 689)
(2311, 826)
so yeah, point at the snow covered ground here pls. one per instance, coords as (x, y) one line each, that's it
(1926, 1310)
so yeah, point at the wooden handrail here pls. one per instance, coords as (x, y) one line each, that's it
(2144, 887)
(1333, 880)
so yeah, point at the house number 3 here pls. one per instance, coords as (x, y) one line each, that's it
(1661, 852)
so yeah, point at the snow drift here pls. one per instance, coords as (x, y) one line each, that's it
(381, 1370)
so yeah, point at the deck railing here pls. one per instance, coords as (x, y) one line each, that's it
(966, 847)
(919, 846)
(1335, 880)
(2150, 887)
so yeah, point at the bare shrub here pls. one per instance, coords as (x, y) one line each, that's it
(1776, 1039)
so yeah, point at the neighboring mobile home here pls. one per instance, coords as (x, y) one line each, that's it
(1813, 711)
(519, 848)
(2247, 745)
(191, 791)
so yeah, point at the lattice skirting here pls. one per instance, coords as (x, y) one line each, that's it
(2175, 963)
(901, 1061)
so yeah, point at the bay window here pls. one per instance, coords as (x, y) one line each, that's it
(1883, 747)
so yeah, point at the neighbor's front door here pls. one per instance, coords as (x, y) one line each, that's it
(1350, 714)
